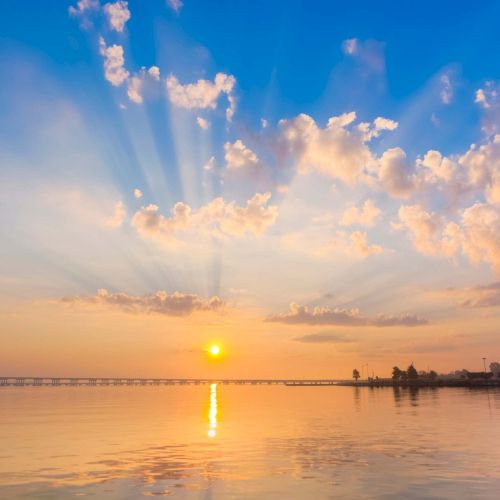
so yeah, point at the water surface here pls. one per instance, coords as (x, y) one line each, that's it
(271, 442)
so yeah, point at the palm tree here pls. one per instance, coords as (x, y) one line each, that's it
(355, 374)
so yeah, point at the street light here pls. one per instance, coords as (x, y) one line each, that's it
(484, 364)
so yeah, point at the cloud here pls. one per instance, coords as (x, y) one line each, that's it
(301, 315)
(217, 219)
(480, 234)
(175, 5)
(350, 46)
(446, 93)
(202, 123)
(119, 215)
(364, 216)
(117, 14)
(395, 173)
(203, 94)
(488, 98)
(339, 150)
(323, 338)
(83, 6)
(136, 83)
(114, 63)
(370, 53)
(429, 232)
(137, 193)
(479, 296)
(239, 157)
(175, 304)
(354, 244)
(476, 234)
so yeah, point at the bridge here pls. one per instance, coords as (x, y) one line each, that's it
(112, 381)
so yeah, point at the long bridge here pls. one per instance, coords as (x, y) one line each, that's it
(113, 381)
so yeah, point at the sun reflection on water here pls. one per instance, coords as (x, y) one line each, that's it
(212, 412)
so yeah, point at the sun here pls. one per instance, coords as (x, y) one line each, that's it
(214, 350)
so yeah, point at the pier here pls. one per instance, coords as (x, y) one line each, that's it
(113, 381)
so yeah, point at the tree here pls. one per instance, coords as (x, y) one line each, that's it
(433, 375)
(412, 372)
(355, 374)
(396, 373)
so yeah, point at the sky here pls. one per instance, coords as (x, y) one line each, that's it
(313, 186)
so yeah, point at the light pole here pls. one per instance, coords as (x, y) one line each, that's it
(484, 364)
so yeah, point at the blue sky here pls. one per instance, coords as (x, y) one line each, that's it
(276, 156)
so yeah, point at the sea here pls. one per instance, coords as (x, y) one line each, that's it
(220, 441)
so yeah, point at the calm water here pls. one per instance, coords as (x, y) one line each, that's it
(249, 442)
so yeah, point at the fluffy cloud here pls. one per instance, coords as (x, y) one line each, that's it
(340, 150)
(488, 98)
(83, 6)
(239, 157)
(117, 14)
(301, 315)
(476, 234)
(217, 218)
(202, 123)
(137, 193)
(480, 234)
(395, 173)
(429, 232)
(364, 216)
(354, 244)
(175, 304)
(135, 84)
(203, 94)
(119, 215)
(114, 63)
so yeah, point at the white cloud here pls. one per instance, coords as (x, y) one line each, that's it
(429, 232)
(339, 150)
(353, 244)
(364, 216)
(137, 193)
(83, 6)
(117, 14)
(114, 63)
(202, 123)
(301, 315)
(203, 94)
(396, 174)
(119, 215)
(175, 304)
(476, 234)
(137, 82)
(239, 157)
(175, 5)
(210, 165)
(154, 72)
(488, 98)
(215, 219)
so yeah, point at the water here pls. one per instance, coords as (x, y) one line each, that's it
(210, 442)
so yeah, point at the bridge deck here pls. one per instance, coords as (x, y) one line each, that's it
(108, 381)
